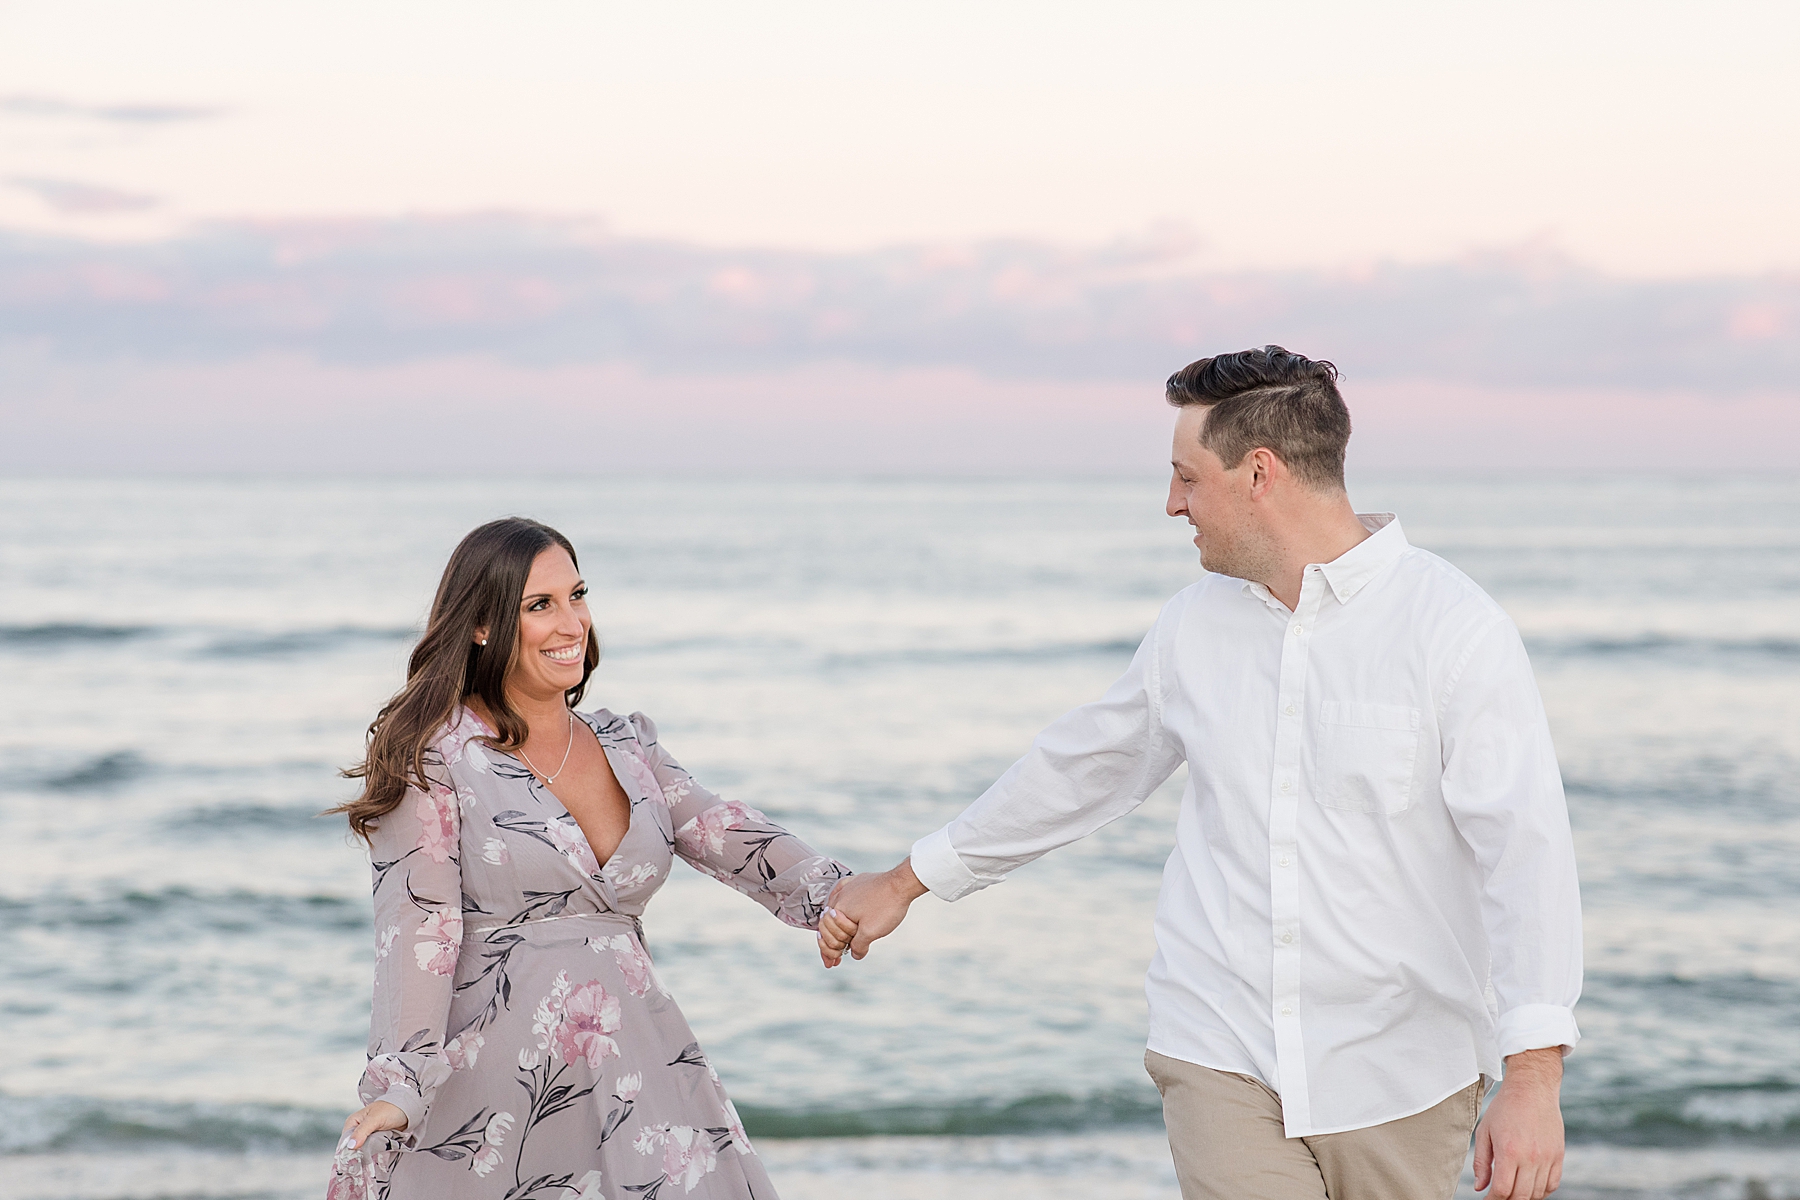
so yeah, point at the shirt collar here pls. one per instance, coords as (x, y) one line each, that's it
(1350, 571)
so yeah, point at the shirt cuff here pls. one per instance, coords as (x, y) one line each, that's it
(1537, 1027)
(940, 868)
(413, 1105)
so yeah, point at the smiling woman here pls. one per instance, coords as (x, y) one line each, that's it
(518, 1022)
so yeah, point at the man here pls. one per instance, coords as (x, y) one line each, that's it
(1371, 904)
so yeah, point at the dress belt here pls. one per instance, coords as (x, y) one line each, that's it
(611, 918)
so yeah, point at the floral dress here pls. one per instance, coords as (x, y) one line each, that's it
(518, 1021)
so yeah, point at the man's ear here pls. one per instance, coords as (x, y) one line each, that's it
(1264, 466)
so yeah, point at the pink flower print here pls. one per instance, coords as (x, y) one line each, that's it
(687, 1153)
(629, 1086)
(440, 938)
(644, 778)
(352, 1174)
(636, 877)
(436, 813)
(382, 1075)
(704, 836)
(462, 1049)
(495, 853)
(548, 1017)
(590, 1187)
(588, 1015)
(495, 1135)
(573, 843)
(634, 965)
(384, 943)
(740, 1141)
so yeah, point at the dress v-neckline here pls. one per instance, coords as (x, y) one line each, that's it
(632, 803)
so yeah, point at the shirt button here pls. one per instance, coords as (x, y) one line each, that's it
(1286, 786)
(1298, 630)
(1286, 1011)
(1284, 860)
(1289, 710)
(1287, 937)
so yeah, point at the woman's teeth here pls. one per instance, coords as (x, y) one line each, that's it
(567, 654)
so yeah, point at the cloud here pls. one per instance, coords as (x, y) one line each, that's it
(54, 107)
(543, 294)
(82, 199)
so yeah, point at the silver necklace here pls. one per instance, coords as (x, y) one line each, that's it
(550, 779)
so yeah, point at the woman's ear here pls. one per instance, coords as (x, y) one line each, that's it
(481, 635)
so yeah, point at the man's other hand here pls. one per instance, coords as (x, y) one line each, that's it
(876, 904)
(1519, 1144)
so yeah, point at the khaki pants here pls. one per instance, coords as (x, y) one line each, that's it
(1225, 1131)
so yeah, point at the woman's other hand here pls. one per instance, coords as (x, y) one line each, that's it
(372, 1118)
(835, 932)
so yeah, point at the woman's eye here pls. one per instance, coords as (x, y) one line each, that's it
(579, 594)
(537, 606)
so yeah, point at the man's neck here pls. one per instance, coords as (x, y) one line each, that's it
(1320, 536)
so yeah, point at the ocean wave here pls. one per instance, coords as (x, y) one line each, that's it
(66, 634)
(301, 641)
(200, 641)
(108, 770)
(1665, 645)
(178, 911)
(235, 818)
(1766, 1113)
(1052, 652)
(41, 1124)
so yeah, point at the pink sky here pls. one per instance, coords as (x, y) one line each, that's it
(936, 237)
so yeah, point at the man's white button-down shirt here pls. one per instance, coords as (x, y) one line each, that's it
(1372, 896)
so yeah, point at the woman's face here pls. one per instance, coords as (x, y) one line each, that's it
(553, 629)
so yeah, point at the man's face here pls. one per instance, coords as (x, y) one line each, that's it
(1213, 499)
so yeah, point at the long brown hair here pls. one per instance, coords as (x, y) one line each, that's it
(482, 585)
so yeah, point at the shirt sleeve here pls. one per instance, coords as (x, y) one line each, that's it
(413, 852)
(1089, 768)
(1505, 794)
(737, 845)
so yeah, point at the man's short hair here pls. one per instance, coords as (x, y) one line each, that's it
(1274, 399)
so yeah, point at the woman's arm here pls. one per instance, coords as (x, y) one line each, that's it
(418, 935)
(735, 844)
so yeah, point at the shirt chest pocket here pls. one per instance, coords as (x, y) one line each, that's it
(1366, 756)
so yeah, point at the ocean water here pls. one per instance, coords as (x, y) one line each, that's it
(184, 945)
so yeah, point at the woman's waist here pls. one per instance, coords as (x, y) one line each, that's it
(481, 928)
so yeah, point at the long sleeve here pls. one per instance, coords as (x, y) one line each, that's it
(1087, 769)
(1505, 793)
(739, 846)
(418, 934)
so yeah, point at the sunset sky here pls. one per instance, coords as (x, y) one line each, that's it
(1622, 146)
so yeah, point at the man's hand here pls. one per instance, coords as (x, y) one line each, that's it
(874, 905)
(1519, 1145)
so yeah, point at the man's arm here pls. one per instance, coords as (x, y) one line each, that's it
(1519, 1145)
(1504, 791)
(1090, 767)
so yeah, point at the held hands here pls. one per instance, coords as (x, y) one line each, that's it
(372, 1118)
(865, 908)
(1519, 1144)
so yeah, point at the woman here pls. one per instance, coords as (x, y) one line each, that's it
(521, 1046)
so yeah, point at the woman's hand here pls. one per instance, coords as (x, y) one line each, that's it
(835, 932)
(372, 1118)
